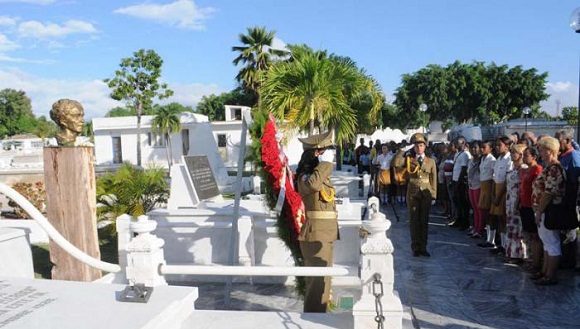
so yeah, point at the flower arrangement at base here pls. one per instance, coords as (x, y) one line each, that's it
(281, 194)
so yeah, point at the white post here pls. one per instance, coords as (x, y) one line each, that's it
(366, 184)
(124, 236)
(145, 254)
(246, 241)
(256, 184)
(377, 262)
(233, 252)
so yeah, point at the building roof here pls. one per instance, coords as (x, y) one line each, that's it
(130, 122)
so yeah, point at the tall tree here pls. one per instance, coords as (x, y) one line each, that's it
(45, 128)
(570, 114)
(167, 122)
(213, 105)
(476, 92)
(180, 108)
(15, 113)
(255, 55)
(120, 112)
(313, 89)
(137, 83)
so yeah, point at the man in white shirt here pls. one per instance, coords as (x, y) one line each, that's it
(383, 161)
(460, 184)
(486, 181)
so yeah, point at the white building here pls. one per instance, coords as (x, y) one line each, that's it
(116, 140)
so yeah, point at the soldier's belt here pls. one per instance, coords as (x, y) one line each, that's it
(321, 214)
(419, 180)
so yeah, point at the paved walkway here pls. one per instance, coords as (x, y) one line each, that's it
(463, 286)
(460, 286)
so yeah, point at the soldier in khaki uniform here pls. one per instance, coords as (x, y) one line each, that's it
(421, 190)
(321, 228)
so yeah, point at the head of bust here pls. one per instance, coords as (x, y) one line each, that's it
(69, 116)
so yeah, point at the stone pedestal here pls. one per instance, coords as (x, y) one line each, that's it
(145, 254)
(377, 262)
(15, 255)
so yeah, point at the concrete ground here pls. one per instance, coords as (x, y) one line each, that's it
(459, 286)
(464, 286)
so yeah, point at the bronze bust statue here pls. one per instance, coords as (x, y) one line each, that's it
(68, 115)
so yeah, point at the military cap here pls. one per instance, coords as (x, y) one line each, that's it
(418, 138)
(320, 141)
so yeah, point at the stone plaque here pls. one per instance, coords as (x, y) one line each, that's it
(53, 304)
(201, 176)
(20, 301)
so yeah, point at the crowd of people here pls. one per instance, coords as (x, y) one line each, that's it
(518, 193)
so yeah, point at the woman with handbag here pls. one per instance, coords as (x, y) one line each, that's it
(548, 191)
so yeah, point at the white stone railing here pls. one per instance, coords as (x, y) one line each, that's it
(54, 234)
(143, 260)
(252, 270)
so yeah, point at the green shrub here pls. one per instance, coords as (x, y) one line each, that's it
(132, 191)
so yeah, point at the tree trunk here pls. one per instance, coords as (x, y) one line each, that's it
(139, 110)
(168, 151)
(311, 128)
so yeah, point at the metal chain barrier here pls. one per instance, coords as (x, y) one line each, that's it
(378, 293)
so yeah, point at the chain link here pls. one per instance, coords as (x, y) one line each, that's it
(377, 283)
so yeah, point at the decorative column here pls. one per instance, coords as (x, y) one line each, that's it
(378, 302)
(366, 184)
(71, 200)
(145, 254)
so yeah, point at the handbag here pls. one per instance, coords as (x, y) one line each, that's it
(562, 216)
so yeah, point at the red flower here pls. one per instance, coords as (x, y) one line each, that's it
(293, 206)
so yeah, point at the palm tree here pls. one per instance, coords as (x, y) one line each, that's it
(131, 190)
(167, 122)
(313, 89)
(255, 55)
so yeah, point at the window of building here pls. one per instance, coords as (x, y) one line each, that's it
(185, 141)
(238, 114)
(156, 140)
(222, 140)
(117, 150)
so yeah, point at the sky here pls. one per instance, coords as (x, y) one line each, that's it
(56, 49)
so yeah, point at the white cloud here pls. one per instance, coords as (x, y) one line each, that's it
(7, 21)
(7, 44)
(181, 13)
(563, 92)
(43, 92)
(92, 94)
(559, 86)
(36, 2)
(10, 59)
(36, 29)
(191, 94)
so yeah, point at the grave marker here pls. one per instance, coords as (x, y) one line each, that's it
(192, 181)
(29, 303)
(201, 176)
